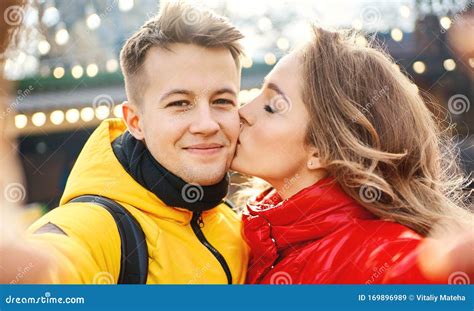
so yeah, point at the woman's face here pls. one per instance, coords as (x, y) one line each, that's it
(272, 145)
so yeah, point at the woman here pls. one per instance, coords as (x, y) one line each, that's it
(359, 168)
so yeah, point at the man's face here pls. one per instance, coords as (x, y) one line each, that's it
(188, 115)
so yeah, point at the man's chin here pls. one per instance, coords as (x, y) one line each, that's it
(205, 176)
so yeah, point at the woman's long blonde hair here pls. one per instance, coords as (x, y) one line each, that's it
(377, 137)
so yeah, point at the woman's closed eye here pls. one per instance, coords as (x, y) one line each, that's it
(269, 109)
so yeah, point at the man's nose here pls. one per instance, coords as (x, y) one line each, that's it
(204, 122)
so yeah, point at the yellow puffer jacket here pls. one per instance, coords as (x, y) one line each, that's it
(90, 251)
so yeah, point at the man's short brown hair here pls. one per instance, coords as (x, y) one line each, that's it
(176, 22)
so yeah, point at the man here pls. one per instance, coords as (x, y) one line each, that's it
(166, 165)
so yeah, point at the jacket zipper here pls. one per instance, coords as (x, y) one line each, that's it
(196, 224)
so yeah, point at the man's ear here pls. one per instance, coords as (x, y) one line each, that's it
(131, 116)
(314, 161)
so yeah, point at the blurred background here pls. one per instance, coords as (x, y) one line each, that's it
(66, 75)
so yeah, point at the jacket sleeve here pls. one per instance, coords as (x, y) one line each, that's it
(83, 241)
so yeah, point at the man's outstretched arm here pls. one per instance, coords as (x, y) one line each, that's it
(73, 244)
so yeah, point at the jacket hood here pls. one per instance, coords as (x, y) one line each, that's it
(98, 172)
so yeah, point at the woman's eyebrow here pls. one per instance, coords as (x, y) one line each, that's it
(274, 87)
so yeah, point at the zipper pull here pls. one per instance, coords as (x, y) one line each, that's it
(200, 222)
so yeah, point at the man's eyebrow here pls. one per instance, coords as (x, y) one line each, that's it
(187, 92)
(225, 90)
(175, 91)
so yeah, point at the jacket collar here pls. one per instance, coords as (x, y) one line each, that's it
(137, 160)
(97, 171)
(273, 224)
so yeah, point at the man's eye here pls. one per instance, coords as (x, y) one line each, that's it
(179, 104)
(223, 101)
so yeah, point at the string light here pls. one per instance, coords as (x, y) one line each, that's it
(92, 70)
(51, 16)
(44, 47)
(247, 62)
(283, 44)
(87, 114)
(126, 5)
(471, 62)
(404, 11)
(62, 36)
(38, 119)
(449, 64)
(77, 71)
(396, 34)
(265, 24)
(93, 21)
(57, 117)
(419, 67)
(58, 72)
(445, 22)
(72, 115)
(111, 65)
(118, 111)
(20, 121)
(270, 59)
(102, 112)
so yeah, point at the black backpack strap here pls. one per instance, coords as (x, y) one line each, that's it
(134, 251)
(230, 205)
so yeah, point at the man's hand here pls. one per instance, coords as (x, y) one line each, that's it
(22, 262)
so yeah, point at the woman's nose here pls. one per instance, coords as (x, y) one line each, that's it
(243, 121)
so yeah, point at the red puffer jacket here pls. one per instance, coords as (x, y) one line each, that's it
(323, 236)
